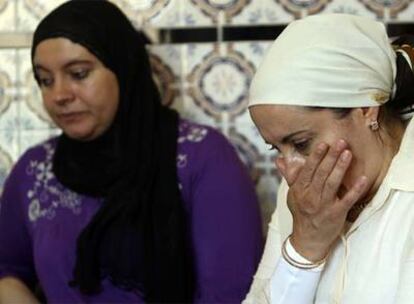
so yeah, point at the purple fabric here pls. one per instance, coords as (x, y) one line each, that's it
(40, 221)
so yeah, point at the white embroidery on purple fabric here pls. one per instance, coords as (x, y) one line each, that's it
(191, 133)
(181, 160)
(44, 192)
(197, 134)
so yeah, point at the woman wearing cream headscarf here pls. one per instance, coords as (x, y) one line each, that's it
(333, 96)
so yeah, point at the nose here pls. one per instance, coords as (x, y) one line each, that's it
(61, 92)
(289, 166)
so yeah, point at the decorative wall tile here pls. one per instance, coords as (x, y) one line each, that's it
(386, 9)
(169, 63)
(259, 160)
(184, 104)
(7, 15)
(5, 166)
(406, 15)
(7, 86)
(9, 144)
(250, 132)
(254, 151)
(262, 12)
(5, 96)
(30, 12)
(191, 15)
(9, 119)
(165, 80)
(167, 69)
(233, 12)
(8, 67)
(32, 113)
(155, 13)
(29, 138)
(3, 5)
(219, 82)
(354, 7)
(248, 152)
(254, 51)
(302, 8)
(221, 9)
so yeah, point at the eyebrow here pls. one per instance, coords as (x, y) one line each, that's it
(67, 65)
(289, 137)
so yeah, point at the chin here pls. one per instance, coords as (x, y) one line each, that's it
(79, 135)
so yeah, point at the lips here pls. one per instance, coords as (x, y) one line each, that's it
(71, 116)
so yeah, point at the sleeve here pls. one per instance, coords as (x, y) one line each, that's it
(276, 281)
(15, 243)
(291, 285)
(226, 225)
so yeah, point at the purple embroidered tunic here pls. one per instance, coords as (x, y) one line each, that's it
(40, 221)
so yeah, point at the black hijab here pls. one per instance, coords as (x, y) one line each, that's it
(138, 237)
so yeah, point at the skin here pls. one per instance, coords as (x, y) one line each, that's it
(14, 291)
(330, 164)
(80, 94)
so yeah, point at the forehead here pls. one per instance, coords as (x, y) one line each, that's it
(282, 114)
(60, 51)
(278, 120)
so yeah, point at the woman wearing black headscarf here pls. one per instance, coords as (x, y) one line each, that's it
(114, 209)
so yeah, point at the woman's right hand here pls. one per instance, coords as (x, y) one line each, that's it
(319, 213)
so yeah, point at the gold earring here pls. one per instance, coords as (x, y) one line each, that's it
(373, 125)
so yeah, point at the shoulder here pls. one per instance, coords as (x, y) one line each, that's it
(197, 136)
(43, 151)
(201, 147)
(38, 156)
(204, 151)
(31, 169)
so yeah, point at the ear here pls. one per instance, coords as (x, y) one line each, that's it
(370, 114)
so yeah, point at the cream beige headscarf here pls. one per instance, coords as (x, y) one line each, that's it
(329, 60)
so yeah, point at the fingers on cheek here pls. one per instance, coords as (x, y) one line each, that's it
(294, 165)
(355, 193)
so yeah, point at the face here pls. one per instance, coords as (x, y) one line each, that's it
(80, 94)
(296, 131)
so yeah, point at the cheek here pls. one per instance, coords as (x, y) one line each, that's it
(48, 105)
(355, 170)
(109, 97)
(295, 160)
(330, 139)
(289, 165)
(99, 95)
(112, 102)
(107, 106)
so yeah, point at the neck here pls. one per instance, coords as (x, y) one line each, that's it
(390, 141)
